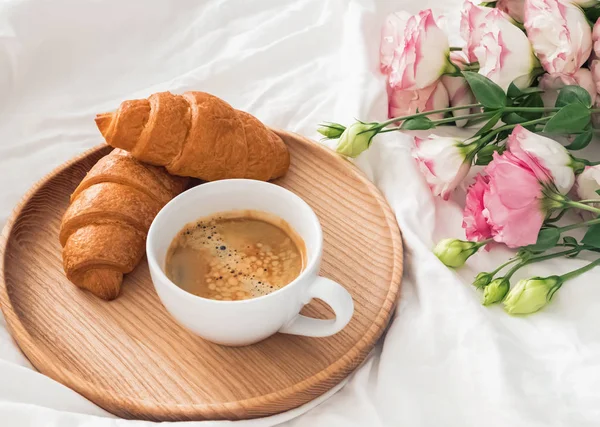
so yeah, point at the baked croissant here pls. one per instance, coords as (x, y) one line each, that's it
(197, 135)
(103, 232)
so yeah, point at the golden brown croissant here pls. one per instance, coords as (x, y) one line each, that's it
(195, 134)
(103, 232)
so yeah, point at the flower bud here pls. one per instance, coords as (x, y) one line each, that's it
(331, 130)
(530, 295)
(444, 162)
(454, 252)
(483, 279)
(356, 139)
(495, 291)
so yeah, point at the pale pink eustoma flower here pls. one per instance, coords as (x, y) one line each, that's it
(459, 94)
(423, 56)
(552, 83)
(595, 70)
(548, 156)
(502, 50)
(560, 34)
(392, 36)
(406, 102)
(474, 222)
(509, 201)
(443, 161)
(513, 202)
(514, 8)
(596, 38)
(459, 58)
(471, 27)
(588, 182)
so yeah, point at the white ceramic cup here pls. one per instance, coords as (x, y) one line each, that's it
(247, 321)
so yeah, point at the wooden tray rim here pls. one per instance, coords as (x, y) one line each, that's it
(341, 367)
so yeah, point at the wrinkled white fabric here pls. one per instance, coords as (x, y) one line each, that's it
(446, 360)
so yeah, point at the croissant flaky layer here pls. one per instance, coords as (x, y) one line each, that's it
(103, 232)
(197, 135)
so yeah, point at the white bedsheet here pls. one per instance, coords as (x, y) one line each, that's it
(446, 360)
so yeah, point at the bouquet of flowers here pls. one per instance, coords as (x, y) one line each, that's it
(527, 74)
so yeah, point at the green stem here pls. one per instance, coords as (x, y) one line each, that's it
(483, 243)
(557, 217)
(471, 67)
(538, 259)
(582, 206)
(580, 224)
(575, 273)
(484, 140)
(465, 117)
(589, 201)
(510, 261)
(426, 113)
(530, 109)
(442, 121)
(455, 49)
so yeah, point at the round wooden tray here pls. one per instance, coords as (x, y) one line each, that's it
(131, 358)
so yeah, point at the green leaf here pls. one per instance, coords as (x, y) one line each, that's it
(489, 125)
(488, 150)
(592, 236)
(568, 240)
(513, 118)
(488, 93)
(417, 123)
(573, 94)
(483, 160)
(571, 118)
(581, 141)
(547, 239)
(533, 100)
(503, 135)
(592, 13)
(486, 154)
(515, 92)
(598, 191)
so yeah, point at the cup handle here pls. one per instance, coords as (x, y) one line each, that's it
(337, 297)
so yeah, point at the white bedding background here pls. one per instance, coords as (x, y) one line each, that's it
(446, 360)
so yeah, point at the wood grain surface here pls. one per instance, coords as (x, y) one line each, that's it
(131, 358)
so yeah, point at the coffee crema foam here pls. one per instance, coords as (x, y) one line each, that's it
(235, 255)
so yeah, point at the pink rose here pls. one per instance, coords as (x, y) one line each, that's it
(514, 8)
(392, 36)
(560, 34)
(501, 48)
(406, 102)
(423, 56)
(552, 83)
(509, 203)
(474, 222)
(444, 162)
